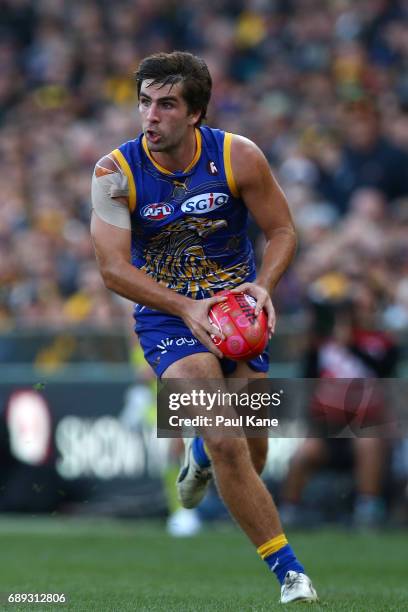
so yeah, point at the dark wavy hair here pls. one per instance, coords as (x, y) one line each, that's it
(179, 67)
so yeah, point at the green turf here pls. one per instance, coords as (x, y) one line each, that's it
(107, 565)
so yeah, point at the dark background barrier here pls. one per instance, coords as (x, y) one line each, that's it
(80, 447)
(79, 436)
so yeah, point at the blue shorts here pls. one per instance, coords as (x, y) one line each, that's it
(165, 339)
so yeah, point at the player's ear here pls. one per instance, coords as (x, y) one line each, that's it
(194, 118)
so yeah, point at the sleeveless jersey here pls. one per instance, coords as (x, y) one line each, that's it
(189, 228)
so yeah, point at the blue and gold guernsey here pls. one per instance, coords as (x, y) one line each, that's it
(189, 228)
(189, 233)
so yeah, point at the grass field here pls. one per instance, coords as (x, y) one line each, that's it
(106, 565)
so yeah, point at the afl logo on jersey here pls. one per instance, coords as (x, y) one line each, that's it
(156, 212)
(205, 202)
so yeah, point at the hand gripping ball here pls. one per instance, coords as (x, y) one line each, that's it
(246, 336)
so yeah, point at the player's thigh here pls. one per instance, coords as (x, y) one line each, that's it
(258, 447)
(183, 376)
(199, 366)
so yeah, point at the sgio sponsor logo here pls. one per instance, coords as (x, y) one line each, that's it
(205, 202)
(156, 212)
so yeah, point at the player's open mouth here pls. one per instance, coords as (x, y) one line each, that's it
(152, 136)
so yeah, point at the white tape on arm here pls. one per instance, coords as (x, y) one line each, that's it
(106, 187)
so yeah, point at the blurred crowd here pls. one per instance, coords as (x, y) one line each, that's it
(322, 87)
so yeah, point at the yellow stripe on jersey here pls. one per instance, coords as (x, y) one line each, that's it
(193, 162)
(197, 153)
(228, 167)
(272, 546)
(120, 158)
(154, 162)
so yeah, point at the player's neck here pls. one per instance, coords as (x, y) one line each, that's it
(179, 158)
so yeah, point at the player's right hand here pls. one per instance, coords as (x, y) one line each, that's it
(195, 316)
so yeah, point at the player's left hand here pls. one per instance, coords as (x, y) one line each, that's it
(263, 300)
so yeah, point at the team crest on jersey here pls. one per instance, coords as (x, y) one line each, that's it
(205, 202)
(179, 189)
(156, 212)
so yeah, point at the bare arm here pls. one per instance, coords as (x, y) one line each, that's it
(268, 206)
(112, 248)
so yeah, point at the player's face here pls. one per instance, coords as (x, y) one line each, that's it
(165, 116)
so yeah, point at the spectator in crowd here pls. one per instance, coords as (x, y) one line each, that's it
(366, 158)
(299, 78)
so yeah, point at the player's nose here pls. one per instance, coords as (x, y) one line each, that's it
(153, 113)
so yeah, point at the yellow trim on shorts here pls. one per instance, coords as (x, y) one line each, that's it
(227, 165)
(272, 546)
(122, 161)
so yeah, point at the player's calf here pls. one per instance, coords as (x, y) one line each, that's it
(230, 452)
(253, 508)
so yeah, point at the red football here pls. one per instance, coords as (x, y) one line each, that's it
(246, 336)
